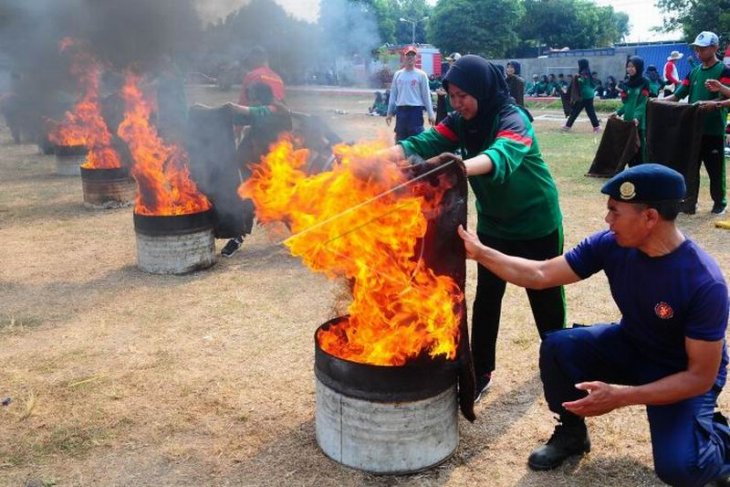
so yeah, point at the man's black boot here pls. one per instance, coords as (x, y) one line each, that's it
(567, 440)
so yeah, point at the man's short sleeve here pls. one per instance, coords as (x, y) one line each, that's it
(588, 257)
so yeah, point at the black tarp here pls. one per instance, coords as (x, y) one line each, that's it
(673, 138)
(444, 252)
(218, 166)
(619, 144)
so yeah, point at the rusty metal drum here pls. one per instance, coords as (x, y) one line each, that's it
(107, 188)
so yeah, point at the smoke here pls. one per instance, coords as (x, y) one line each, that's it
(213, 10)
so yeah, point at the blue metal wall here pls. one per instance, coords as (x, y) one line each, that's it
(657, 55)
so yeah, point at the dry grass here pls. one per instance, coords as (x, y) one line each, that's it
(118, 377)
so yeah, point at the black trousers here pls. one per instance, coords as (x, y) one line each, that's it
(713, 155)
(548, 305)
(590, 111)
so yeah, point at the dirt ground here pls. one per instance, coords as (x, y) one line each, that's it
(117, 377)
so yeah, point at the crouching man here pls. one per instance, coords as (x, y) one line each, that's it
(667, 352)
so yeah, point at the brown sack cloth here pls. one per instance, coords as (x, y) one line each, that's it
(673, 138)
(619, 144)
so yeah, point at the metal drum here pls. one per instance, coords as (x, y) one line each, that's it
(175, 244)
(107, 188)
(69, 159)
(385, 420)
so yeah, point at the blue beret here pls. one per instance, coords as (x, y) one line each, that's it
(646, 183)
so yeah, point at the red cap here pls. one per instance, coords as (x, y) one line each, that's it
(410, 49)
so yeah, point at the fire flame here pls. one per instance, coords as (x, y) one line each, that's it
(85, 124)
(346, 225)
(161, 170)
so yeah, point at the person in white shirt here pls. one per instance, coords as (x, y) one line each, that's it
(409, 96)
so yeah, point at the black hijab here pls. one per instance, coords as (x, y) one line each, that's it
(481, 79)
(638, 78)
(583, 68)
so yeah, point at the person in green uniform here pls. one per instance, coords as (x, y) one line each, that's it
(516, 197)
(713, 138)
(634, 92)
(587, 89)
(656, 83)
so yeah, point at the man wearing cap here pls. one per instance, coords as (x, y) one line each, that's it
(409, 96)
(712, 148)
(667, 352)
(670, 73)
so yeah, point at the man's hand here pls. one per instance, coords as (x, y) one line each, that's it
(472, 245)
(601, 399)
(388, 119)
(432, 121)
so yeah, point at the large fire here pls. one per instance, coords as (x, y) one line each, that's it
(346, 225)
(160, 170)
(85, 126)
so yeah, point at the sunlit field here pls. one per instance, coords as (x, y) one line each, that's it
(113, 376)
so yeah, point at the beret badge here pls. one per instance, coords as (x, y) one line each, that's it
(627, 190)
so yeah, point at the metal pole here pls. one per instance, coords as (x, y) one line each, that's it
(413, 33)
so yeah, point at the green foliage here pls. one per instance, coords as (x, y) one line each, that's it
(577, 24)
(696, 16)
(485, 27)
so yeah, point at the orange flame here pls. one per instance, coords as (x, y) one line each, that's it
(85, 124)
(346, 226)
(161, 170)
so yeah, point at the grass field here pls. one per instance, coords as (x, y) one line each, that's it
(118, 377)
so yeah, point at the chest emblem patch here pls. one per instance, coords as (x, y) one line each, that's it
(663, 311)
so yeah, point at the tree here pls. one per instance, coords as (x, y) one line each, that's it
(571, 23)
(485, 27)
(696, 16)
(412, 10)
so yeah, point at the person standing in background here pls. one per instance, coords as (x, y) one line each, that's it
(515, 83)
(585, 91)
(635, 92)
(670, 73)
(712, 153)
(409, 96)
(655, 81)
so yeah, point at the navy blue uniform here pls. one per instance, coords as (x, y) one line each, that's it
(662, 300)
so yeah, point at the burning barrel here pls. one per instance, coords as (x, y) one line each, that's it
(385, 419)
(175, 244)
(107, 188)
(69, 159)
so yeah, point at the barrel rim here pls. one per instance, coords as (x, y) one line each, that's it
(419, 379)
(70, 150)
(160, 225)
(105, 174)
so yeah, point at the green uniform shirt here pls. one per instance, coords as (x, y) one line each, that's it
(694, 86)
(518, 199)
(587, 90)
(634, 104)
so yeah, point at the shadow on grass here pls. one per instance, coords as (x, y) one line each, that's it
(606, 472)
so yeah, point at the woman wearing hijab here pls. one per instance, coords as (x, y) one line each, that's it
(516, 197)
(586, 90)
(515, 83)
(656, 83)
(635, 92)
